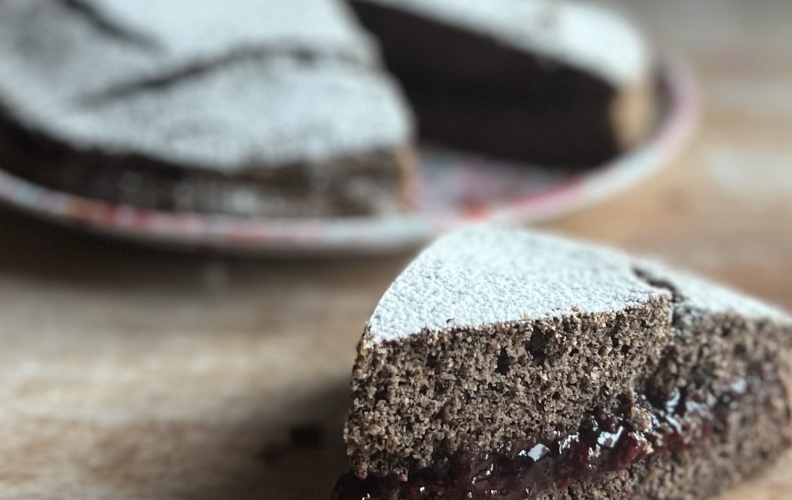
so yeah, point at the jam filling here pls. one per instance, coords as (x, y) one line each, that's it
(607, 440)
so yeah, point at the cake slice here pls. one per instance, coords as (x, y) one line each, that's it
(247, 108)
(507, 365)
(553, 82)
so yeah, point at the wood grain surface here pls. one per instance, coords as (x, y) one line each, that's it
(133, 374)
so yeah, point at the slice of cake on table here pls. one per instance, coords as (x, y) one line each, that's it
(547, 81)
(508, 365)
(274, 108)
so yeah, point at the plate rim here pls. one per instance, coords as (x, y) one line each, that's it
(370, 235)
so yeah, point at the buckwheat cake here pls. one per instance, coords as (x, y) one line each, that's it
(503, 365)
(284, 108)
(275, 108)
(553, 82)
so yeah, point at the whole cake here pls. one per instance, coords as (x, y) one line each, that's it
(273, 108)
(283, 108)
(508, 365)
(546, 81)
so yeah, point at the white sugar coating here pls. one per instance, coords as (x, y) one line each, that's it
(51, 40)
(267, 111)
(483, 275)
(480, 275)
(282, 111)
(586, 36)
(49, 48)
(206, 28)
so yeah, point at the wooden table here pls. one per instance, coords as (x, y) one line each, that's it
(132, 374)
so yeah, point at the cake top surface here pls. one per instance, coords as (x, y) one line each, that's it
(582, 35)
(73, 74)
(190, 29)
(483, 275)
(313, 113)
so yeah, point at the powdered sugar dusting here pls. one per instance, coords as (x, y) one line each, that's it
(58, 68)
(279, 111)
(187, 29)
(482, 275)
(586, 36)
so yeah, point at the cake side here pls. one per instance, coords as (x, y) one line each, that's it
(566, 134)
(735, 351)
(473, 390)
(634, 112)
(475, 87)
(753, 436)
(742, 365)
(369, 183)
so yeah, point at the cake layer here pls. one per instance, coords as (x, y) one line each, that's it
(566, 134)
(371, 183)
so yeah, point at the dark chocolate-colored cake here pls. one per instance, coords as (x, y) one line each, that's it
(551, 82)
(508, 365)
(273, 108)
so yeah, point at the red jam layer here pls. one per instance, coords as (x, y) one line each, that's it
(607, 440)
